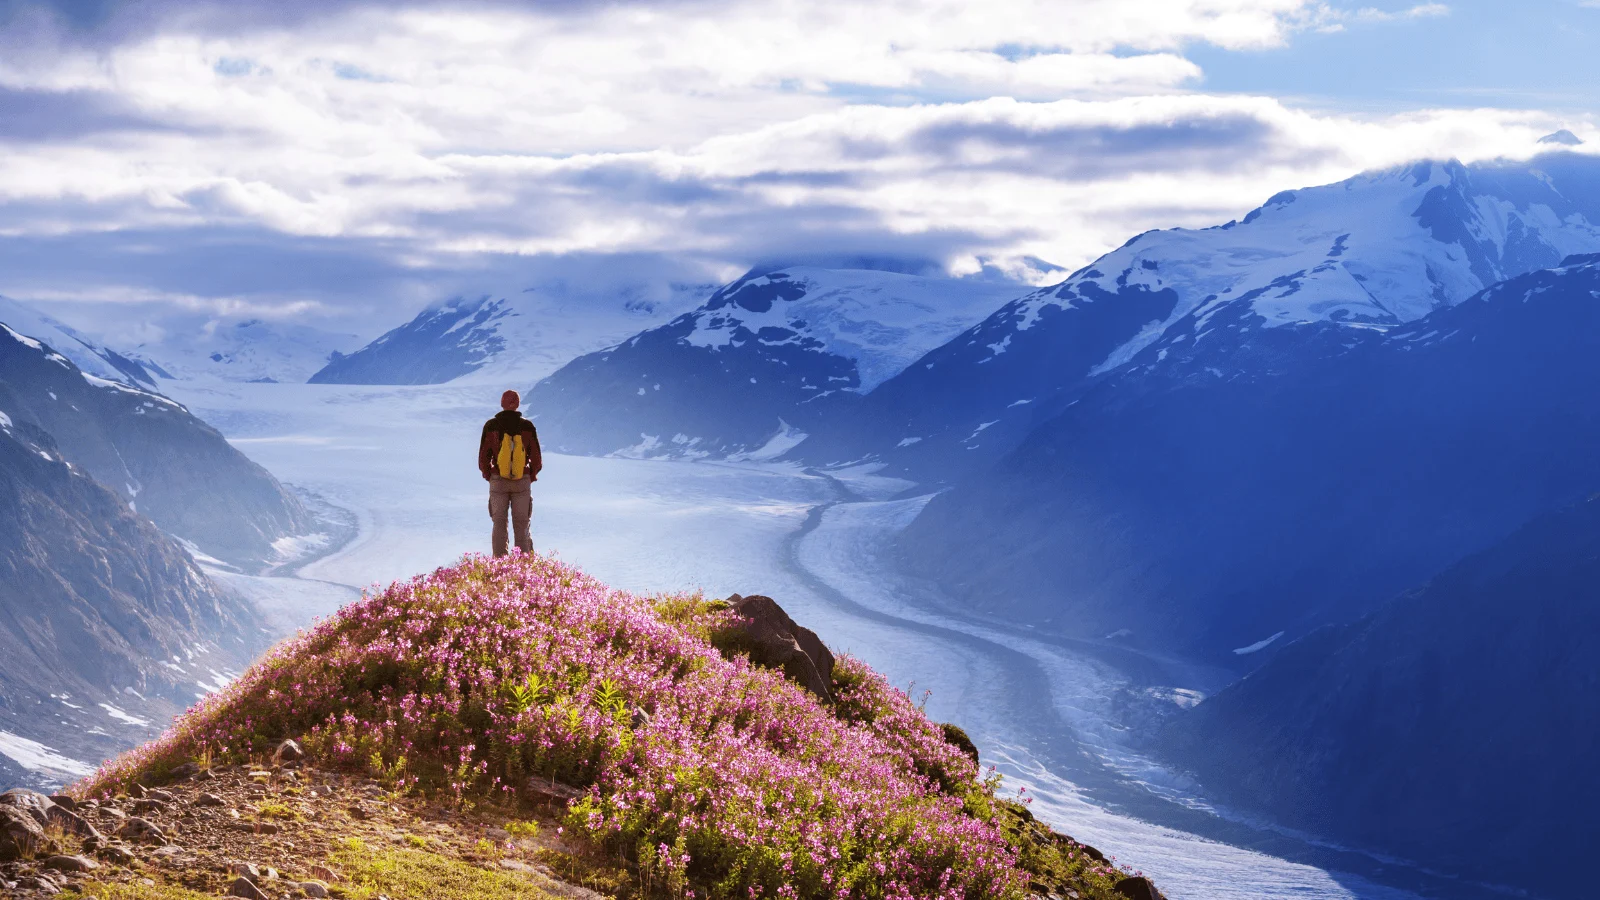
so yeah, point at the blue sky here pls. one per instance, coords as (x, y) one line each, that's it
(1529, 54)
(170, 165)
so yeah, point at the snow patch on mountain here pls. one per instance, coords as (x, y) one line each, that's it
(882, 321)
(252, 350)
(512, 339)
(1377, 250)
(34, 329)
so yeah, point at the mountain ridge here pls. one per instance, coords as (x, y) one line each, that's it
(1373, 252)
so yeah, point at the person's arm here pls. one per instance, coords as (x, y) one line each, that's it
(535, 456)
(485, 454)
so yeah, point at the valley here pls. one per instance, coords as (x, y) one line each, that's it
(1057, 717)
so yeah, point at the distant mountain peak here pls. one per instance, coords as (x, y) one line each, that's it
(1562, 137)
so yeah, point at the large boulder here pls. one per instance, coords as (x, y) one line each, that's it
(1138, 887)
(20, 836)
(775, 641)
(36, 805)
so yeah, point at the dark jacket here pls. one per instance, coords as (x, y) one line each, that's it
(508, 422)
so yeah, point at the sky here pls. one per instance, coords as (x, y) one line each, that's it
(342, 164)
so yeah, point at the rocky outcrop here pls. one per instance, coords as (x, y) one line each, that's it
(774, 640)
(173, 468)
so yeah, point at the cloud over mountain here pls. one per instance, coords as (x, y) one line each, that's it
(438, 142)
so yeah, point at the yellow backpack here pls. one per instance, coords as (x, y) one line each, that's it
(512, 460)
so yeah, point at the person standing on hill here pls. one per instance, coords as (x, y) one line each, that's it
(509, 459)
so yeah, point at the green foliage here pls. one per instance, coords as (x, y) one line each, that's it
(529, 829)
(272, 809)
(532, 691)
(1057, 864)
(419, 875)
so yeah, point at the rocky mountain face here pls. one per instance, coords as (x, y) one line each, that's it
(756, 367)
(107, 628)
(1214, 494)
(511, 339)
(1374, 252)
(167, 464)
(85, 353)
(1456, 726)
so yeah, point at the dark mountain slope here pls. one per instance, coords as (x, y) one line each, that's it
(97, 606)
(172, 467)
(1457, 726)
(1220, 490)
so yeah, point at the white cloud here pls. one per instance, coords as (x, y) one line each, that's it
(428, 140)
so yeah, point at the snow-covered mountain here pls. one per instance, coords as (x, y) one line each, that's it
(249, 350)
(1270, 480)
(85, 353)
(513, 339)
(148, 449)
(1375, 251)
(750, 371)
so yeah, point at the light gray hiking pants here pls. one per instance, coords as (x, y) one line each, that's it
(516, 498)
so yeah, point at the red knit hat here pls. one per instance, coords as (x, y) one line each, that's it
(510, 400)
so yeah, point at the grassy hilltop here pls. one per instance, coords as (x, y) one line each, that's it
(681, 769)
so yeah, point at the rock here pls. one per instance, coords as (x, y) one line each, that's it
(248, 870)
(69, 821)
(244, 887)
(40, 884)
(184, 771)
(119, 856)
(33, 803)
(552, 789)
(775, 641)
(288, 751)
(137, 791)
(208, 800)
(1137, 887)
(71, 864)
(148, 805)
(143, 831)
(160, 796)
(515, 865)
(314, 888)
(20, 835)
(64, 800)
(956, 737)
(498, 834)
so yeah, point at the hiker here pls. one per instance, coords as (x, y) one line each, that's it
(509, 459)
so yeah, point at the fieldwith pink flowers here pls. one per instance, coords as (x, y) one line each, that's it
(707, 775)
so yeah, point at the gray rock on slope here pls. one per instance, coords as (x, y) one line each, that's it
(775, 641)
(20, 835)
